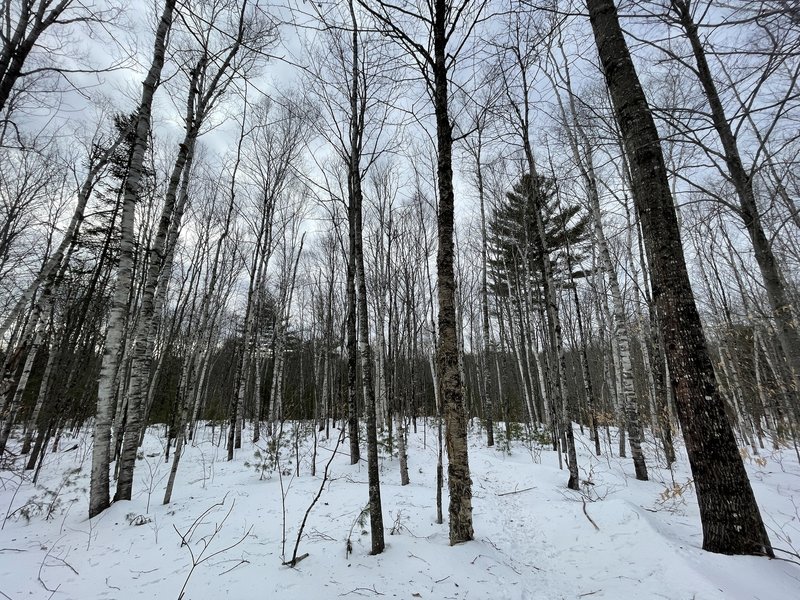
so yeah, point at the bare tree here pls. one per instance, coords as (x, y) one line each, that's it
(221, 57)
(434, 37)
(99, 493)
(525, 37)
(41, 30)
(731, 520)
(581, 147)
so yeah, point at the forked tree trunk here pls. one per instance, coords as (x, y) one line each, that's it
(587, 376)
(34, 20)
(99, 493)
(550, 299)
(145, 330)
(205, 89)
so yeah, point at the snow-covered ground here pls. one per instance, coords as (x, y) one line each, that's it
(620, 538)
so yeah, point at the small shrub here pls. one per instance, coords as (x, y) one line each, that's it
(47, 503)
(264, 460)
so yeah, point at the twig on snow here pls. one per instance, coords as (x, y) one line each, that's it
(113, 587)
(588, 517)
(241, 562)
(42, 565)
(66, 564)
(516, 492)
(358, 591)
(201, 557)
(495, 560)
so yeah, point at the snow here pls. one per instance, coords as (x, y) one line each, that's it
(533, 537)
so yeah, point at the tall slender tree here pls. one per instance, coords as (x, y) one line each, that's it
(99, 492)
(446, 27)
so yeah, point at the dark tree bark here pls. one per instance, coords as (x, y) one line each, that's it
(354, 182)
(365, 353)
(352, 348)
(458, 476)
(731, 520)
(33, 21)
(486, 370)
(440, 21)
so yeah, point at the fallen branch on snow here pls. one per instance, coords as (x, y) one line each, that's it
(591, 520)
(516, 491)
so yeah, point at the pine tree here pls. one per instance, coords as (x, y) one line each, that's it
(514, 247)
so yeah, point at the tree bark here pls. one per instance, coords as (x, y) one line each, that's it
(459, 481)
(99, 494)
(731, 520)
(486, 387)
(352, 348)
(354, 175)
(145, 330)
(19, 45)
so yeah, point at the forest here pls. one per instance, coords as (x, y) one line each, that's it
(309, 284)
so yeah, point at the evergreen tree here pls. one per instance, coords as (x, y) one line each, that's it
(515, 251)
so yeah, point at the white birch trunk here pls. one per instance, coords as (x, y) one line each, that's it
(99, 493)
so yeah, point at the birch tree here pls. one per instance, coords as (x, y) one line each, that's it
(221, 58)
(99, 492)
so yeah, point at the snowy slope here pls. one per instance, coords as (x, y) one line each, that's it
(533, 537)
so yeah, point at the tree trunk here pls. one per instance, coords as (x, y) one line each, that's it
(731, 520)
(621, 333)
(455, 418)
(146, 326)
(486, 387)
(352, 349)
(99, 494)
(33, 421)
(355, 193)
